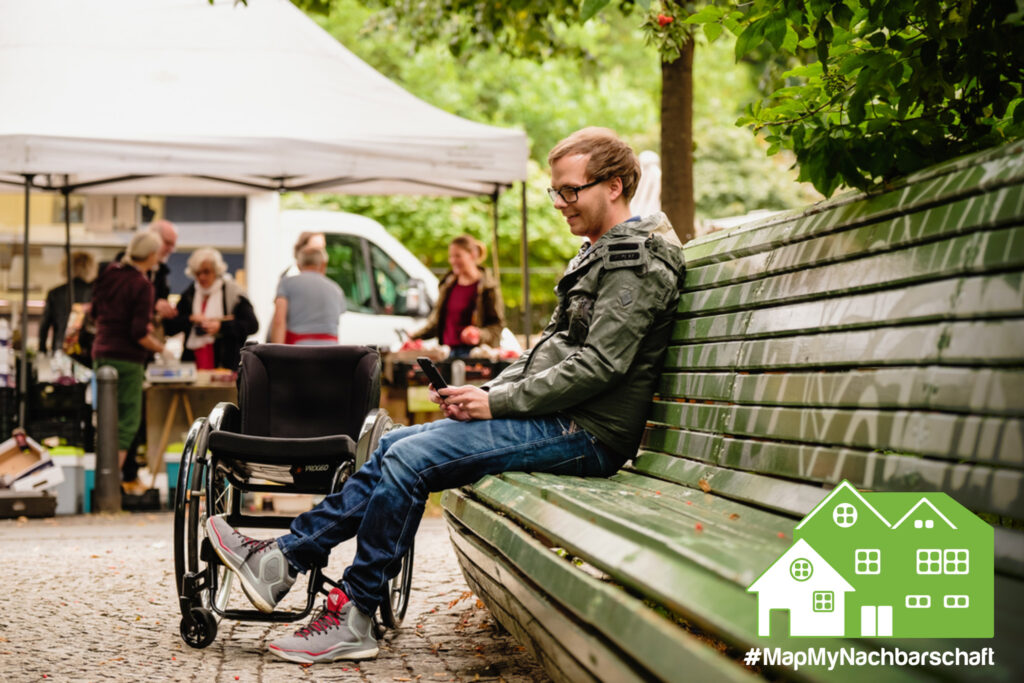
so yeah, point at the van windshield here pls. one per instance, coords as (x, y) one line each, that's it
(371, 280)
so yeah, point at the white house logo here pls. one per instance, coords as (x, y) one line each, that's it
(851, 572)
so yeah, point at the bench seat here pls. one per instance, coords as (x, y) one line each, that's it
(877, 340)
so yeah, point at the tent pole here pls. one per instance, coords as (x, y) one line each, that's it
(23, 375)
(494, 236)
(527, 323)
(66, 191)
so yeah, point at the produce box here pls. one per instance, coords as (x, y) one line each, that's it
(33, 470)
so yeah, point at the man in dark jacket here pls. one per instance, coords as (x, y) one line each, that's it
(574, 405)
(56, 311)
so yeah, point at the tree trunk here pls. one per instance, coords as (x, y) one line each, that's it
(677, 142)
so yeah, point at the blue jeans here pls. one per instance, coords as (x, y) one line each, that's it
(383, 502)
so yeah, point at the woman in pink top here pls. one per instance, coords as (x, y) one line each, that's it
(470, 311)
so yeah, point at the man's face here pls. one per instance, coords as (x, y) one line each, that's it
(168, 238)
(588, 214)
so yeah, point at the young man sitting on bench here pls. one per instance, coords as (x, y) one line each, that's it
(575, 405)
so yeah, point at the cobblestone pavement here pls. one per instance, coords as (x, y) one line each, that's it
(92, 598)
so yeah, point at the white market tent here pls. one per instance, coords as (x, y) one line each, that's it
(257, 94)
(185, 97)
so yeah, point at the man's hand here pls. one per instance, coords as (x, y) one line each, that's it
(164, 309)
(466, 402)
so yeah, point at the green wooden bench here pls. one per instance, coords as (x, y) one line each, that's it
(877, 339)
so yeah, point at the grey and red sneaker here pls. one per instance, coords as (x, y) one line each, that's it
(338, 630)
(260, 565)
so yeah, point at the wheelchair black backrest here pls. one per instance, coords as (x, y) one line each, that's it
(307, 391)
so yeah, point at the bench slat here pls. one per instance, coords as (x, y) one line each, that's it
(984, 212)
(977, 487)
(635, 517)
(983, 296)
(742, 519)
(997, 440)
(983, 343)
(987, 176)
(788, 497)
(981, 391)
(647, 507)
(652, 640)
(975, 253)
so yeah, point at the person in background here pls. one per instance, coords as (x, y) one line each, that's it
(316, 240)
(308, 305)
(168, 234)
(122, 305)
(469, 311)
(56, 311)
(214, 313)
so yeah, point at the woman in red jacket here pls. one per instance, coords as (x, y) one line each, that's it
(470, 311)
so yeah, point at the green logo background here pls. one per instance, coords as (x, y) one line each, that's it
(904, 565)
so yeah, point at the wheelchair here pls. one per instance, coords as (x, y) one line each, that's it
(307, 418)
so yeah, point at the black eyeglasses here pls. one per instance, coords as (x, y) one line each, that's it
(570, 194)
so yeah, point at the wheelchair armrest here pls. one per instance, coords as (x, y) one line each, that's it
(226, 416)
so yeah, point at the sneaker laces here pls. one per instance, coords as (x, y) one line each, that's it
(323, 620)
(255, 545)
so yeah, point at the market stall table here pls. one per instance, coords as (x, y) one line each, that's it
(164, 420)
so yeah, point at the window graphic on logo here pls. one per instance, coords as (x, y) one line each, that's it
(929, 561)
(801, 569)
(919, 601)
(956, 601)
(823, 601)
(905, 565)
(845, 515)
(868, 562)
(955, 561)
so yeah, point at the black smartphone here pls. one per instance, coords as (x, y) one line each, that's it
(432, 373)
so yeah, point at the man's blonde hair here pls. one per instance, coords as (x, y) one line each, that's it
(610, 157)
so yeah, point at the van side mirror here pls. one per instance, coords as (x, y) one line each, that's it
(416, 303)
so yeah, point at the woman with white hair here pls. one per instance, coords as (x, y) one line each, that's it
(122, 303)
(213, 312)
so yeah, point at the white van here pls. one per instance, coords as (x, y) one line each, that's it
(388, 289)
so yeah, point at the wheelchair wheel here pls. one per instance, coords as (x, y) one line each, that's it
(392, 610)
(199, 628)
(201, 580)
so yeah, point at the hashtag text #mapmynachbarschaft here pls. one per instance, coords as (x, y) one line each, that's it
(820, 656)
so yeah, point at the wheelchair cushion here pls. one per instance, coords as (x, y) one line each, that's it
(306, 391)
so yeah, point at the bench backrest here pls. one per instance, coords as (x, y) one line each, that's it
(878, 340)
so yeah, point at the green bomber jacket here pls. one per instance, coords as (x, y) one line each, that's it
(599, 357)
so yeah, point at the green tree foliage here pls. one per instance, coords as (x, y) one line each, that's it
(876, 90)
(617, 84)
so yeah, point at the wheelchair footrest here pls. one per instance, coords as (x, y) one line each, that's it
(255, 615)
(259, 521)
